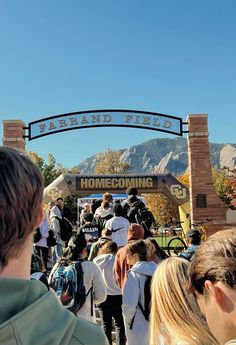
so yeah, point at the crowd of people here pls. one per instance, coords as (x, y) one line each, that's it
(148, 297)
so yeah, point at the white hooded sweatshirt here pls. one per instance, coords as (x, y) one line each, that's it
(54, 224)
(106, 264)
(132, 294)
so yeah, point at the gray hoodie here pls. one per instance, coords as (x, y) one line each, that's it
(106, 264)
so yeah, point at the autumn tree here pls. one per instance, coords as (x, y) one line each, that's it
(231, 184)
(39, 161)
(184, 179)
(163, 209)
(221, 183)
(110, 163)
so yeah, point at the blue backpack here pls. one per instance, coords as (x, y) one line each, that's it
(67, 281)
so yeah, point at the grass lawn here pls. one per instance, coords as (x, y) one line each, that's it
(163, 240)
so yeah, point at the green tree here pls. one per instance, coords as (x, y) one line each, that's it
(222, 185)
(110, 163)
(47, 168)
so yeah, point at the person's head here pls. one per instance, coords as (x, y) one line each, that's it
(51, 204)
(76, 248)
(132, 191)
(55, 212)
(87, 207)
(60, 202)
(193, 237)
(136, 251)
(151, 250)
(135, 232)
(155, 249)
(107, 197)
(118, 210)
(212, 280)
(105, 205)
(175, 315)
(21, 191)
(159, 251)
(106, 233)
(88, 217)
(109, 247)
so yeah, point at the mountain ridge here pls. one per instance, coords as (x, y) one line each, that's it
(164, 155)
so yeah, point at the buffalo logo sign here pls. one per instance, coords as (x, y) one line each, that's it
(178, 191)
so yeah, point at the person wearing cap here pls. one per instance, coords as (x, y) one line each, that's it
(193, 239)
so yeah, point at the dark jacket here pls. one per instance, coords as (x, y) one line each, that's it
(67, 213)
(90, 231)
(131, 205)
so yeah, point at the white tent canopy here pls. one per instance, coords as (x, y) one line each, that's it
(91, 198)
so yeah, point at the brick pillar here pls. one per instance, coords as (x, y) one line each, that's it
(204, 201)
(13, 134)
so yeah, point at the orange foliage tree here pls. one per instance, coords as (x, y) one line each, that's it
(110, 163)
(163, 209)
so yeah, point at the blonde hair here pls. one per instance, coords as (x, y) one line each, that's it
(109, 247)
(175, 315)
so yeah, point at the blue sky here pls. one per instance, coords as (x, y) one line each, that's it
(174, 57)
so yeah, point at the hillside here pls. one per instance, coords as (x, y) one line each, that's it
(164, 155)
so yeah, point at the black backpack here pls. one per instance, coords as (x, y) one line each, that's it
(133, 209)
(147, 301)
(68, 283)
(51, 241)
(147, 298)
(65, 228)
(145, 218)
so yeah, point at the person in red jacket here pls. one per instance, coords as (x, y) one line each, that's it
(135, 232)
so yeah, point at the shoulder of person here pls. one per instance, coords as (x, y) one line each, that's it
(121, 251)
(87, 332)
(89, 265)
(134, 274)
